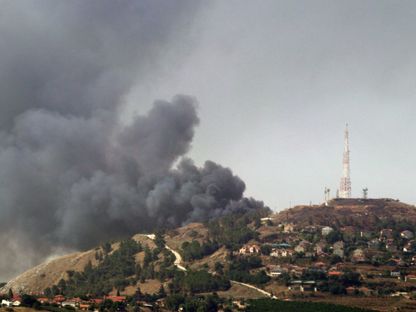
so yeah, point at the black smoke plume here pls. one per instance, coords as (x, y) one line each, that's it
(71, 173)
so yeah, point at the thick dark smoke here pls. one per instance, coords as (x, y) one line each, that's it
(71, 174)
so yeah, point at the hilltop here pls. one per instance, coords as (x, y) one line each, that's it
(358, 212)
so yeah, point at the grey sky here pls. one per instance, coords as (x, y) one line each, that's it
(277, 81)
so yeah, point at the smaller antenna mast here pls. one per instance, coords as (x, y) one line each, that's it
(365, 193)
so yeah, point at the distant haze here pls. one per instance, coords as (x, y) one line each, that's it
(103, 104)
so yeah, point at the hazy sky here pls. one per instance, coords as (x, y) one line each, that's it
(276, 82)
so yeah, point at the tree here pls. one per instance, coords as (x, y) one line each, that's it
(147, 257)
(161, 293)
(173, 302)
(28, 301)
(10, 294)
(337, 288)
(159, 241)
(334, 259)
(266, 249)
(107, 248)
(333, 237)
(219, 268)
(48, 292)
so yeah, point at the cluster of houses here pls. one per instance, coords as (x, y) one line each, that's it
(15, 301)
(375, 246)
(394, 251)
(59, 300)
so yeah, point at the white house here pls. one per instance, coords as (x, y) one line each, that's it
(407, 234)
(249, 249)
(69, 303)
(326, 230)
(6, 303)
(16, 303)
(281, 253)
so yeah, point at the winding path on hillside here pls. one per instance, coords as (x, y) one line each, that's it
(178, 261)
(178, 258)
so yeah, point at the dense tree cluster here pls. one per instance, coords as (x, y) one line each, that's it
(197, 282)
(269, 305)
(239, 270)
(114, 271)
(208, 303)
(232, 230)
(194, 250)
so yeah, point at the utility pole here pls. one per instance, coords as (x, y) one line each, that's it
(327, 195)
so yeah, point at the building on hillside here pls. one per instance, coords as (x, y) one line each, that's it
(302, 286)
(281, 245)
(276, 271)
(391, 245)
(116, 298)
(69, 303)
(335, 273)
(386, 234)
(288, 228)
(320, 265)
(395, 262)
(58, 299)
(249, 249)
(395, 274)
(358, 255)
(84, 306)
(348, 232)
(374, 244)
(303, 247)
(281, 252)
(410, 278)
(96, 301)
(266, 221)
(43, 300)
(410, 247)
(6, 303)
(326, 230)
(320, 248)
(310, 229)
(338, 249)
(407, 234)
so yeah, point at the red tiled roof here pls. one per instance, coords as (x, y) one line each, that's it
(116, 298)
(334, 273)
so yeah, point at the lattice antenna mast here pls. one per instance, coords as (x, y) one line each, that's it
(345, 186)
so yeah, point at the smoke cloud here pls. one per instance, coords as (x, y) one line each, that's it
(71, 173)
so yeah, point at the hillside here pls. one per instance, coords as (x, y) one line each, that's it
(350, 252)
(47, 274)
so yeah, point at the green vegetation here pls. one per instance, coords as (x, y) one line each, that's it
(197, 282)
(239, 270)
(194, 250)
(208, 303)
(232, 230)
(117, 269)
(269, 305)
